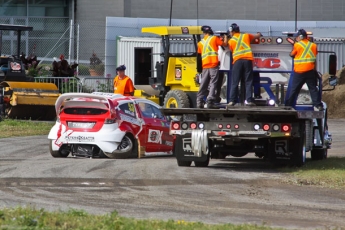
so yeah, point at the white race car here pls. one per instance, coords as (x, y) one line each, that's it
(109, 125)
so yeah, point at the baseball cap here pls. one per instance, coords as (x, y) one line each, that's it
(121, 68)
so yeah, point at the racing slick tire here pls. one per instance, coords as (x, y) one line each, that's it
(58, 153)
(176, 99)
(125, 148)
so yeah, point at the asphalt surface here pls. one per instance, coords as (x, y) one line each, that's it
(234, 190)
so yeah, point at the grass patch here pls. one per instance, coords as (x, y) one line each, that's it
(30, 218)
(325, 173)
(20, 128)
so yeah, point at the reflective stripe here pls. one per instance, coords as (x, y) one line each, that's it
(307, 50)
(240, 44)
(207, 50)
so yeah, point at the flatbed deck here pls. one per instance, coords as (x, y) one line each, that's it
(259, 110)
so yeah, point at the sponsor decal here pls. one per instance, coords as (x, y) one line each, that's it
(185, 30)
(129, 119)
(169, 143)
(15, 66)
(79, 139)
(178, 73)
(155, 136)
(266, 60)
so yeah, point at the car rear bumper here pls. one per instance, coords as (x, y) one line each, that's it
(107, 138)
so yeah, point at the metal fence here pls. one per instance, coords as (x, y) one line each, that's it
(52, 37)
(80, 85)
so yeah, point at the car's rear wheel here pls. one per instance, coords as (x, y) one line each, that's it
(58, 153)
(124, 150)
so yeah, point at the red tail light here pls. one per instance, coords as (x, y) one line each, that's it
(193, 125)
(266, 127)
(175, 125)
(286, 127)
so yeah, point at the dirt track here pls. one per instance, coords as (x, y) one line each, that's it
(235, 190)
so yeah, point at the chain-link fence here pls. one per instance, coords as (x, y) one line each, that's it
(51, 37)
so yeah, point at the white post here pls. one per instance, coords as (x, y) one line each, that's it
(70, 42)
(78, 49)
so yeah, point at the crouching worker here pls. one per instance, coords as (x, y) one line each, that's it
(122, 83)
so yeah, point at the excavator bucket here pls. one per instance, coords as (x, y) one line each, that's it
(30, 100)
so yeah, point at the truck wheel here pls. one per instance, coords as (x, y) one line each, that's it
(57, 153)
(298, 157)
(184, 163)
(202, 163)
(318, 154)
(176, 99)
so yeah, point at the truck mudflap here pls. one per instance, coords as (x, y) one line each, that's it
(183, 150)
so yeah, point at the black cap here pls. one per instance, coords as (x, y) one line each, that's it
(234, 28)
(121, 68)
(207, 29)
(302, 32)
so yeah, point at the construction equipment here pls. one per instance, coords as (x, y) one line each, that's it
(20, 97)
(177, 75)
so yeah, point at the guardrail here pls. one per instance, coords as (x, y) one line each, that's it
(82, 85)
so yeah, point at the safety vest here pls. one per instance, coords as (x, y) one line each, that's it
(305, 58)
(209, 55)
(241, 47)
(120, 86)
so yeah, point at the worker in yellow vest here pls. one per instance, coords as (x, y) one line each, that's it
(122, 83)
(242, 57)
(304, 53)
(208, 49)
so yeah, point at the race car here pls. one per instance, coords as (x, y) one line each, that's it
(109, 125)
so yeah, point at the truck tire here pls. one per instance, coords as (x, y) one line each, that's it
(176, 99)
(202, 163)
(298, 148)
(184, 163)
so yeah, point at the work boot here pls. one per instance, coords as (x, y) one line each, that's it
(200, 105)
(211, 105)
(250, 103)
(230, 104)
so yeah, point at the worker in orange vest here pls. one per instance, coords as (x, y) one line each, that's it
(304, 53)
(208, 49)
(122, 83)
(242, 57)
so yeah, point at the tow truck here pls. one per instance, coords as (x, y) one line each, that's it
(270, 129)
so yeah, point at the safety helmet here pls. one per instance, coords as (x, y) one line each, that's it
(234, 28)
(207, 29)
(121, 68)
(302, 33)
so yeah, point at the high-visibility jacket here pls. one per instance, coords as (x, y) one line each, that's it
(123, 86)
(239, 45)
(304, 53)
(208, 48)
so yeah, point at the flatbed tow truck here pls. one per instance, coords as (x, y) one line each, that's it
(270, 130)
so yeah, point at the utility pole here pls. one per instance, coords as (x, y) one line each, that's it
(171, 4)
(295, 15)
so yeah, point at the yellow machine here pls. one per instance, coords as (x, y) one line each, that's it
(177, 75)
(20, 97)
